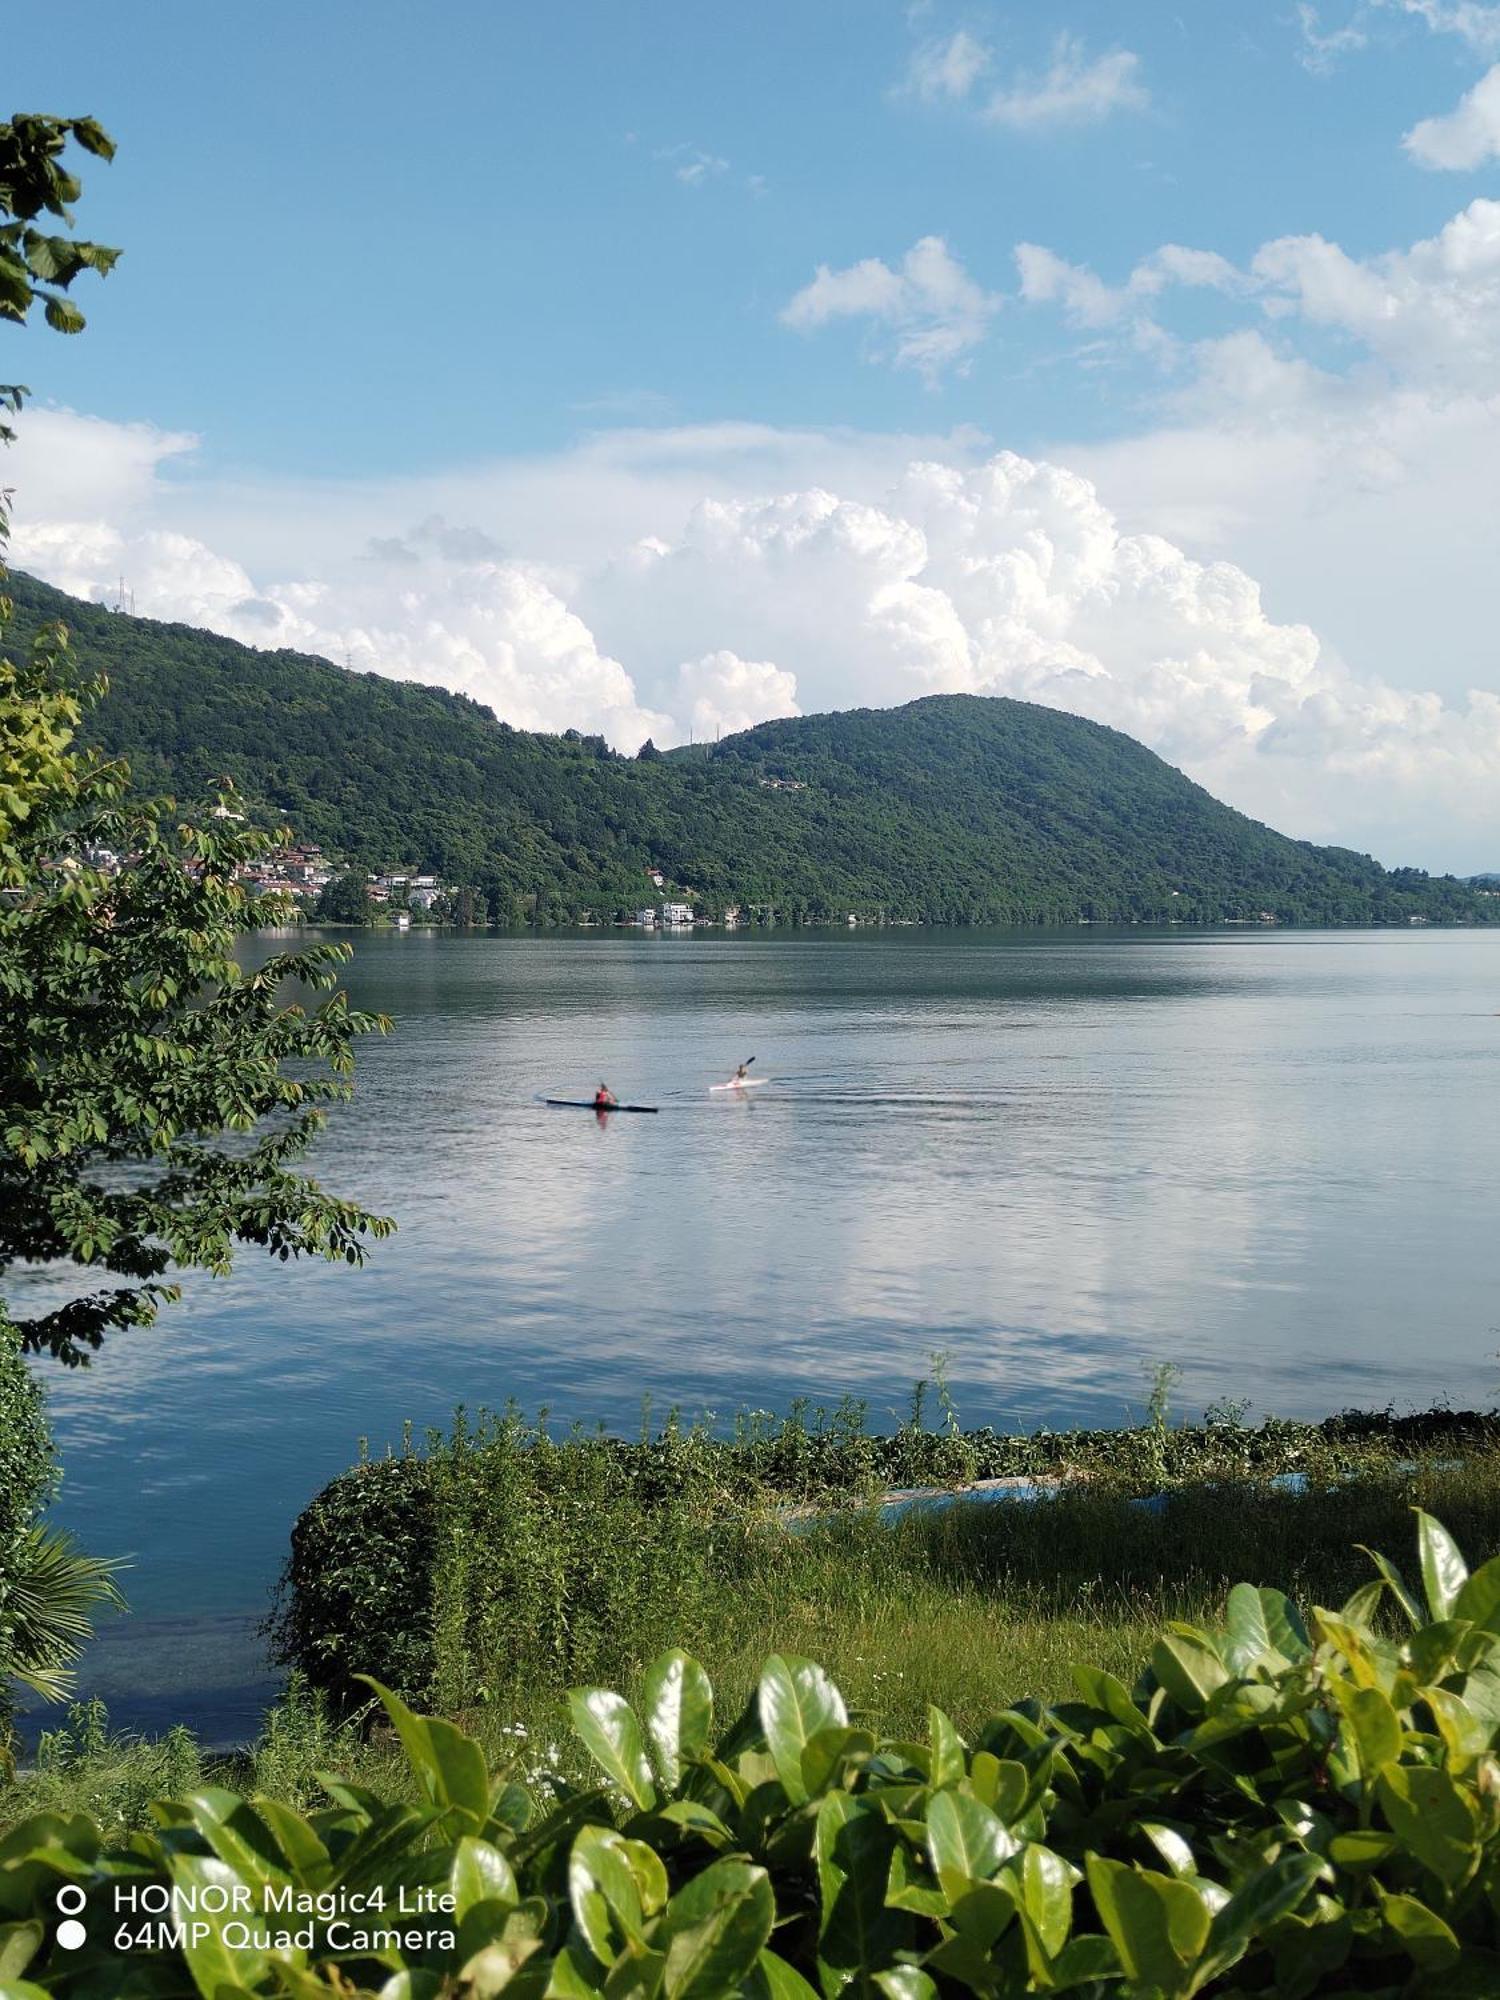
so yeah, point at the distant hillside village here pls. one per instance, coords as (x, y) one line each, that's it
(332, 892)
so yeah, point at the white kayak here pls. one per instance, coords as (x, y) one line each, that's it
(741, 1083)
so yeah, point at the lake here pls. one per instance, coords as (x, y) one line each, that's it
(1267, 1156)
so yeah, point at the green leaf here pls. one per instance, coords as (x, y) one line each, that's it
(1272, 1893)
(1262, 1622)
(1171, 1846)
(1373, 1723)
(302, 1851)
(797, 1699)
(214, 1964)
(603, 1892)
(1188, 1670)
(1479, 1599)
(1465, 1735)
(480, 1874)
(774, 1979)
(1424, 1937)
(906, 1982)
(714, 1930)
(606, 1725)
(829, 1753)
(636, 1974)
(948, 1765)
(1433, 1818)
(679, 1706)
(1395, 1583)
(966, 1842)
(853, 1844)
(1047, 1883)
(19, 1945)
(1158, 1926)
(1444, 1572)
(449, 1765)
(1102, 1691)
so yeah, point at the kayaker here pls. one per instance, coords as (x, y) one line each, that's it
(604, 1098)
(742, 1072)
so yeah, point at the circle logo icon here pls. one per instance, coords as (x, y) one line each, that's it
(71, 1934)
(70, 1899)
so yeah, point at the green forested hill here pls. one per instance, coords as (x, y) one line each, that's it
(956, 808)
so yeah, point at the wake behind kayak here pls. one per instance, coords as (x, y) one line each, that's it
(588, 1104)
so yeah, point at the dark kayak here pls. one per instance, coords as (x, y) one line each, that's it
(588, 1104)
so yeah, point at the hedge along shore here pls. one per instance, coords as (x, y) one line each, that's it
(500, 1563)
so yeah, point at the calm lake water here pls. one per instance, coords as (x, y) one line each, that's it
(1270, 1157)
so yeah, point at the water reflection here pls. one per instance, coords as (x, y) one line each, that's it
(1264, 1156)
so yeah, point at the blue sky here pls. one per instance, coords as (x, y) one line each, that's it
(493, 264)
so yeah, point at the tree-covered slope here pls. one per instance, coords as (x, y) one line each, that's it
(955, 808)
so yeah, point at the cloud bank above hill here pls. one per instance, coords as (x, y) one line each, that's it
(772, 593)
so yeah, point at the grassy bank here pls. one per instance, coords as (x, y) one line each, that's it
(972, 1607)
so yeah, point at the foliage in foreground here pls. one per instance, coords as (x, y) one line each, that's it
(1278, 1808)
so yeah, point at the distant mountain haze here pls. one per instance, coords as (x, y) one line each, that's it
(952, 809)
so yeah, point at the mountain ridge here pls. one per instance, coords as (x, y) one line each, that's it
(952, 808)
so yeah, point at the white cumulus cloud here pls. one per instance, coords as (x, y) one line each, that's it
(935, 312)
(723, 693)
(947, 69)
(924, 572)
(1072, 90)
(1465, 137)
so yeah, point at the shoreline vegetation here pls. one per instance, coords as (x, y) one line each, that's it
(486, 1571)
(1082, 1743)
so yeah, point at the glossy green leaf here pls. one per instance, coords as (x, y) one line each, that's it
(19, 1945)
(1396, 1584)
(302, 1852)
(966, 1842)
(604, 1894)
(906, 1982)
(774, 1979)
(1047, 1884)
(448, 1764)
(214, 1964)
(637, 1974)
(606, 1725)
(678, 1700)
(832, 1752)
(797, 1699)
(857, 1930)
(1159, 1926)
(1171, 1846)
(1465, 1734)
(1373, 1723)
(949, 1766)
(1102, 1691)
(1433, 1818)
(1189, 1671)
(714, 1929)
(1426, 1939)
(1444, 1571)
(480, 1874)
(1478, 1600)
(1263, 1622)
(1272, 1893)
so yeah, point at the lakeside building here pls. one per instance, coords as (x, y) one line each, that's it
(677, 916)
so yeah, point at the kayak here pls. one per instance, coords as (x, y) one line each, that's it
(741, 1083)
(588, 1104)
